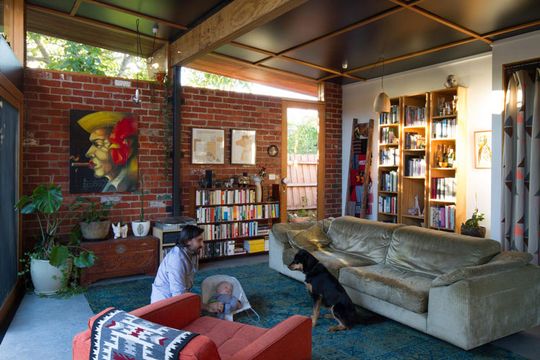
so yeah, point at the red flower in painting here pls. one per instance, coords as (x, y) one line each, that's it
(121, 140)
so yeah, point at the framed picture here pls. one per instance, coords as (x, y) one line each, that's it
(482, 149)
(103, 151)
(207, 146)
(243, 147)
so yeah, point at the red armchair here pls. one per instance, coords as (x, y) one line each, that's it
(218, 339)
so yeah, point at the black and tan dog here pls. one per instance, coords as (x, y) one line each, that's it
(325, 290)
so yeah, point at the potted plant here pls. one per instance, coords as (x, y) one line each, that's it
(142, 226)
(471, 227)
(51, 261)
(94, 219)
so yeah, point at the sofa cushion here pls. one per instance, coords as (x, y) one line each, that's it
(361, 237)
(288, 255)
(334, 260)
(279, 231)
(310, 239)
(436, 252)
(403, 288)
(229, 337)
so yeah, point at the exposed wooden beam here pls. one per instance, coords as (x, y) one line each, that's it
(441, 20)
(75, 7)
(348, 28)
(14, 27)
(233, 20)
(92, 22)
(136, 13)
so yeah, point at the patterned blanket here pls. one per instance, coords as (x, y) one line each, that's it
(117, 335)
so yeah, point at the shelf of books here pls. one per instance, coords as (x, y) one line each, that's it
(234, 223)
(413, 157)
(389, 163)
(447, 174)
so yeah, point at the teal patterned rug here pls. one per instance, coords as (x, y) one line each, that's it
(276, 297)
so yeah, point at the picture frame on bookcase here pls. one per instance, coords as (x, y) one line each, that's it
(482, 149)
(243, 147)
(207, 146)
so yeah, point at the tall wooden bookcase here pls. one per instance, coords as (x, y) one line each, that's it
(425, 123)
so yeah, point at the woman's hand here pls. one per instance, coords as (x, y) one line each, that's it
(215, 307)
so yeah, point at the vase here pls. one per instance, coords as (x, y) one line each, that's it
(47, 279)
(258, 188)
(140, 228)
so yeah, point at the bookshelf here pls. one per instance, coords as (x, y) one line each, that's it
(234, 223)
(389, 163)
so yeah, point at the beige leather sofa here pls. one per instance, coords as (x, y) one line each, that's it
(458, 288)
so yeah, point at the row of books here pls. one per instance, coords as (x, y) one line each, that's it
(389, 181)
(388, 204)
(224, 197)
(391, 117)
(415, 116)
(389, 157)
(443, 189)
(230, 230)
(414, 141)
(415, 166)
(221, 248)
(443, 217)
(388, 136)
(445, 128)
(237, 212)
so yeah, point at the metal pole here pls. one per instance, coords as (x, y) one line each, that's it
(177, 132)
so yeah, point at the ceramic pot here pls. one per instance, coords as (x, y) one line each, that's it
(140, 228)
(47, 279)
(476, 232)
(96, 230)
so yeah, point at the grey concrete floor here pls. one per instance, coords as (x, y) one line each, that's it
(43, 328)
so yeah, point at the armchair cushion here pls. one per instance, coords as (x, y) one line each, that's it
(311, 239)
(279, 231)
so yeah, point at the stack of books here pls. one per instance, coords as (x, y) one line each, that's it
(443, 189)
(389, 157)
(255, 245)
(224, 197)
(445, 128)
(415, 116)
(230, 230)
(443, 217)
(389, 181)
(415, 167)
(388, 204)
(237, 212)
(388, 136)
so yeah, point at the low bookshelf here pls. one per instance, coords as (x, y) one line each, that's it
(234, 223)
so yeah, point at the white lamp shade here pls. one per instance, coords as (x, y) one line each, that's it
(381, 103)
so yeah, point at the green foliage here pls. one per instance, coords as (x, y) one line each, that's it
(474, 220)
(94, 211)
(303, 140)
(203, 79)
(48, 52)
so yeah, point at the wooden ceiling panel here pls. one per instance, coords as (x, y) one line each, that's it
(294, 67)
(240, 53)
(314, 18)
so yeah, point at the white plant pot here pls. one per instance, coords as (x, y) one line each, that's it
(47, 279)
(140, 228)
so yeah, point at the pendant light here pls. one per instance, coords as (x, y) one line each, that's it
(382, 101)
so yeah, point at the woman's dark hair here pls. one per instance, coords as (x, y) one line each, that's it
(188, 232)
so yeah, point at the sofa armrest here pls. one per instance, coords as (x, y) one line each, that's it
(290, 339)
(279, 231)
(480, 309)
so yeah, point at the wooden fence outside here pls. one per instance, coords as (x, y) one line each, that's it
(302, 186)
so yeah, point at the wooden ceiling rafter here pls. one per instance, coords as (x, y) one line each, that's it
(75, 7)
(413, 7)
(135, 13)
(91, 22)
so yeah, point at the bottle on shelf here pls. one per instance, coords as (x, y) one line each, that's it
(451, 156)
(438, 155)
(444, 157)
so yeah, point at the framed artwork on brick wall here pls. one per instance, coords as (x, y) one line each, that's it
(207, 146)
(104, 146)
(243, 147)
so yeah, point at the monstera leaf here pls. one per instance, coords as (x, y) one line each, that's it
(47, 198)
(59, 255)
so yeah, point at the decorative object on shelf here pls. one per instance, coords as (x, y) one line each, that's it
(94, 220)
(258, 188)
(207, 146)
(272, 150)
(471, 227)
(51, 263)
(382, 101)
(243, 180)
(120, 230)
(450, 82)
(141, 227)
(243, 147)
(482, 149)
(104, 146)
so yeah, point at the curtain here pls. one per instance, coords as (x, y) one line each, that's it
(521, 163)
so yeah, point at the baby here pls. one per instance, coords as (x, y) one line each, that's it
(224, 295)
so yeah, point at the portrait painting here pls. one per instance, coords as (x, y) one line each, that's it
(482, 149)
(104, 147)
(243, 147)
(208, 146)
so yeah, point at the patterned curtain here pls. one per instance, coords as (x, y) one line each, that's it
(521, 163)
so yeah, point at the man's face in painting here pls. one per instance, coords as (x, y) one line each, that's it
(99, 155)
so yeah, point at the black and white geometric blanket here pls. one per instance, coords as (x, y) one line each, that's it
(117, 335)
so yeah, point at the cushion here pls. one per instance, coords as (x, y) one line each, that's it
(402, 288)
(310, 239)
(435, 252)
(361, 237)
(335, 260)
(502, 262)
(229, 337)
(279, 231)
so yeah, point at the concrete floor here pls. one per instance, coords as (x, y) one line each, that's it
(43, 327)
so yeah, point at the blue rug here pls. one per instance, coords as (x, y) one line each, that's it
(276, 297)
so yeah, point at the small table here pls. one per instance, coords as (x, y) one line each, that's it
(121, 257)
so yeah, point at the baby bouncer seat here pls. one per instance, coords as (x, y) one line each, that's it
(208, 289)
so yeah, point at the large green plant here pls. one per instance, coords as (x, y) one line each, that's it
(94, 211)
(45, 202)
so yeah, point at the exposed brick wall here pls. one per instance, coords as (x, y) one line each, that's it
(333, 98)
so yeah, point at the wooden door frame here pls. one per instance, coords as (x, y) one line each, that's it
(14, 96)
(321, 167)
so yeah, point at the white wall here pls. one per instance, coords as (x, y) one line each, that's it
(507, 51)
(472, 72)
